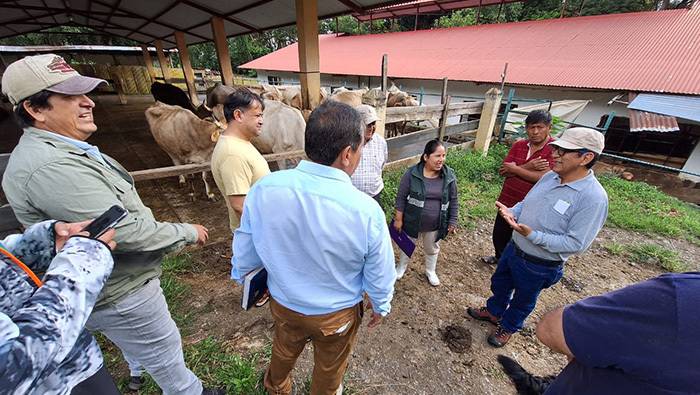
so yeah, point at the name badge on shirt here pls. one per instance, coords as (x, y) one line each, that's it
(562, 206)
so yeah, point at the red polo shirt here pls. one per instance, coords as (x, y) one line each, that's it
(515, 188)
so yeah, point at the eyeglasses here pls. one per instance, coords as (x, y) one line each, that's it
(563, 151)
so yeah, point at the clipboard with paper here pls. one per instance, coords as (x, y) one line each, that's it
(402, 240)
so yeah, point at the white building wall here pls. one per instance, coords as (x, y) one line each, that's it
(468, 90)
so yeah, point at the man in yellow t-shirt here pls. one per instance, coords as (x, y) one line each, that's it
(235, 163)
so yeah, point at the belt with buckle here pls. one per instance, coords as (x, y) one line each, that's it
(533, 259)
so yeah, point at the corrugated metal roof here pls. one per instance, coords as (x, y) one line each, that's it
(656, 51)
(643, 121)
(686, 107)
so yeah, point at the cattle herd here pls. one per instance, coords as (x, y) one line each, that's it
(188, 134)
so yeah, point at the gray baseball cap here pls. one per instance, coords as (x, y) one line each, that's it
(581, 138)
(33, 74)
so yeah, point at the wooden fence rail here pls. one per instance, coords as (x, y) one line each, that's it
(171, 171)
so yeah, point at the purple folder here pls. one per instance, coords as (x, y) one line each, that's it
(402, 240)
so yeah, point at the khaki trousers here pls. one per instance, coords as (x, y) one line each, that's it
(332, 335)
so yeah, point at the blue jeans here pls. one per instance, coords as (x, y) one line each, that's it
(141, 326)
(526, 279)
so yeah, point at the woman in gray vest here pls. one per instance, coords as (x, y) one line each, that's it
(427, 206)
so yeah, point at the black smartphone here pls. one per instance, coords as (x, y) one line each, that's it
(105, 221)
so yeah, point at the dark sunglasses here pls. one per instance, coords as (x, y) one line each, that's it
(563, 151)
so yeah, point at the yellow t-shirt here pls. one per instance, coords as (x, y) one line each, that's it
(236, 165)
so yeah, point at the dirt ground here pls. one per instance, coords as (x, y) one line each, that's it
(406, 354)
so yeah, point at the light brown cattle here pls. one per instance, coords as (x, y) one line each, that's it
(398, 98)
(287, 94)
(282, 130)
(184, 137)
(351, 98)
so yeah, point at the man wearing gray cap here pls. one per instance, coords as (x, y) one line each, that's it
(560, 216)
(368, 176)
(54, 173)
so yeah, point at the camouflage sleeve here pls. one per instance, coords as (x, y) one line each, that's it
(45, 328)
(36, 247)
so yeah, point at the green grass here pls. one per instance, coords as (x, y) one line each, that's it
(616, 249)
(666, 259)
(640, 207)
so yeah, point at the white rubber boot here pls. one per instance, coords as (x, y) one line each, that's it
(430, 263)
(403, 264)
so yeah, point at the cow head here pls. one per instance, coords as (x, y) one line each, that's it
(214, 115)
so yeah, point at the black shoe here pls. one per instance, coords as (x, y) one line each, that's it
(213, 391)
(136, 382)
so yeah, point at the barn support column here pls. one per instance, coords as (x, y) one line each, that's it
(187, 67)
(309, 69)
(488, 120)
(162, 61)
(149, 62)
(222, 53)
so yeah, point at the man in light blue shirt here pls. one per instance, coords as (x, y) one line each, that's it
(323, 242)
(560, 216)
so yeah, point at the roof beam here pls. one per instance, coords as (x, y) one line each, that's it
(61, 10)
(351, 4)
(150, 20)
(173, 28)
(227, 17)
(114, 8)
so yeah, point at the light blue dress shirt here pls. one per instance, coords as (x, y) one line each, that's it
(565, 218)
(322, 241)
(89, 148)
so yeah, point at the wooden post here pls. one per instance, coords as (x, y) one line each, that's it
(115, 74)
(222, 53)
(443, 117)
(488, 120)
(444, 91)
(385, 67)
(162, 61)
(187, 67)
(149, 62)
(309, 65)
(377, 99)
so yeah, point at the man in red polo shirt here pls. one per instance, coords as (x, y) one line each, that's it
(526, 162)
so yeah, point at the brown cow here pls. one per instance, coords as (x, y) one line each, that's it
(184, 137)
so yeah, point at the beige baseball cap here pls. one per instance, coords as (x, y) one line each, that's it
(369, 114)
(33, 74)
(581, 138)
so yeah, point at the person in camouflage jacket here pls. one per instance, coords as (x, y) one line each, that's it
(44, 348)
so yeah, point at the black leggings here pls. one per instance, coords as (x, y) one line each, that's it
(502, 233)
(100, 383)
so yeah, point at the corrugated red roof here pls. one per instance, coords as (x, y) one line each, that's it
(656, 51)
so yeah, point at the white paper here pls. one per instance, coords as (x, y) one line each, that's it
(561, 206)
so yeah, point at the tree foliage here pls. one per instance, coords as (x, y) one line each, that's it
(549, 9)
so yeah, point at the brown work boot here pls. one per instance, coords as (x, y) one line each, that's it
(499, 337)
(482, 313)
